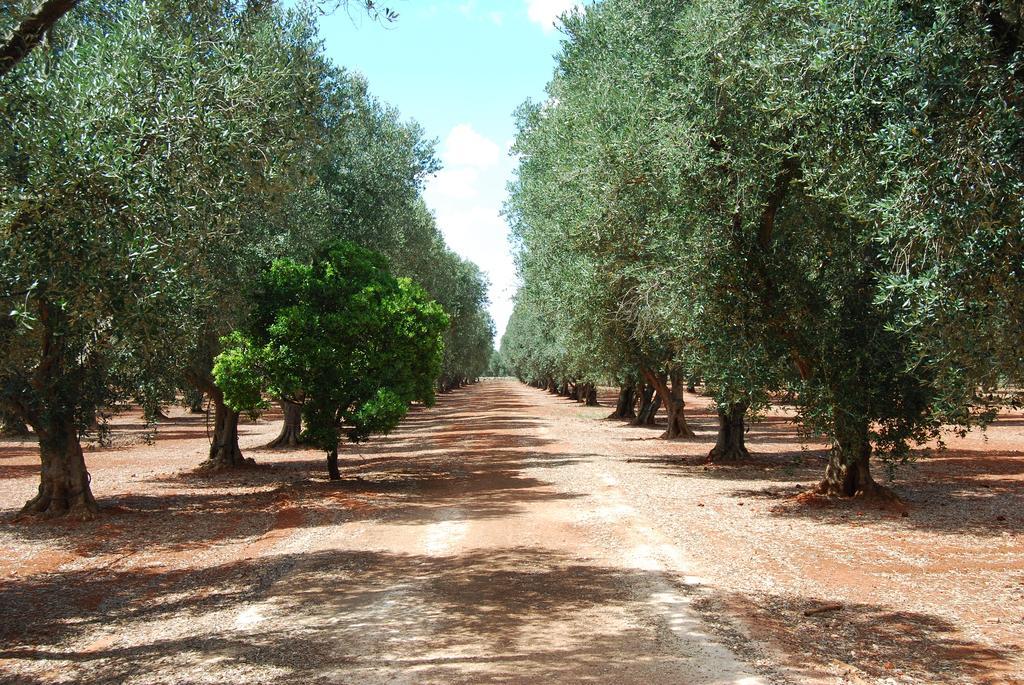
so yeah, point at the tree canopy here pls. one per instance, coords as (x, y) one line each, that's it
(151, 169)
(803, 197)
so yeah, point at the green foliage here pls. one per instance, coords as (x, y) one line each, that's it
(497, 367)
(108, 219)
(155, 159)
(343, 338)
(820, 197)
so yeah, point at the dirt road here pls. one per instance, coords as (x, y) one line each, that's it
(504, 536)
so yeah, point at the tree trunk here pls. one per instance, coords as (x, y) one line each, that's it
(649, 405)
(691, 384)
(848, 473)
(224, 450)
(590, 396)
(332, 465)
(624, 406)
(291, 431)
(672, 398)
(63, 480)
(195, 401)
(30, 31)
(731, 425)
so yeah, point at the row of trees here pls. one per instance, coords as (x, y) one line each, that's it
(823, 199)
(156, 157)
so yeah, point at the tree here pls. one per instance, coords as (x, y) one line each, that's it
(342, 338)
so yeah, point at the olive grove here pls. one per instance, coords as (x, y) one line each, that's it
(821, 199)
(156, 157)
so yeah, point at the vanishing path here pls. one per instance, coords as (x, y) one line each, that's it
(510, 536)
(511, 555)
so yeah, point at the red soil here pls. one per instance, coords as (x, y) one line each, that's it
(512, 536)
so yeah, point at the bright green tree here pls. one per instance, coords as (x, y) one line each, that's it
(342, 338)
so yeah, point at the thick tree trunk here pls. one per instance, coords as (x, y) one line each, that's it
(624, 405)
(691, 384)
(195, 401)
(731, 425)
(650, 403)
(590, 396)
(63, 480)
(224, 450)
(332, 465)
(672, 398)
(291, 431)
(848, 472)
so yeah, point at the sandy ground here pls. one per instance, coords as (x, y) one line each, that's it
(509, 536)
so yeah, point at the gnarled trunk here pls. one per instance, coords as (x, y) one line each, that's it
(195, 401)
(590, 395)
(650, 403)
(291, 431)
(848, 472)
(731, 425)
(625, 404)
(30, 31)
(63, 480)
(12, 425)
(224, 450)
(672, 398)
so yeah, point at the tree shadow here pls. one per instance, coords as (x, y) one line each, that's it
(486, 616)
(516, 614)
(964, 491)
(867, 639)
(438, 458)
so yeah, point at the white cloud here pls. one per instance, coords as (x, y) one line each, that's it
(497, 18)
(465, 147)
(466, 197)
(546, 12)
(457, 183)
(480, 234)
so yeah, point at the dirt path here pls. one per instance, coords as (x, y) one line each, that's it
(469, 553)
(495, 569)
(508, 536)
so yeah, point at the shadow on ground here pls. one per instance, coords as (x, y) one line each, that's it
(481, 617)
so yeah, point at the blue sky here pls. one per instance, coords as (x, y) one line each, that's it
(460, 68)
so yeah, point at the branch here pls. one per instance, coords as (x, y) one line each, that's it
(789, 171)
(30, 32)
